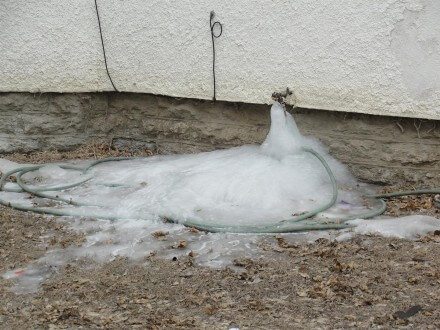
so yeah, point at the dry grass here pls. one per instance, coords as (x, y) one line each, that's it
(96, 150)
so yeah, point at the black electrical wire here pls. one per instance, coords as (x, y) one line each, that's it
(213, 37)
(103, 47)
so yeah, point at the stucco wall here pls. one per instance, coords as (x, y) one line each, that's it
(377, 57)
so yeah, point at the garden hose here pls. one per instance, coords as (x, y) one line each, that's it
(293, 224)
(302, 222)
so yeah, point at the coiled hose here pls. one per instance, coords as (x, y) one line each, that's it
(303, 222)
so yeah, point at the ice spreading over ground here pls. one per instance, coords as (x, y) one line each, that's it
(409, 227)
(248, 185)
(7, 165)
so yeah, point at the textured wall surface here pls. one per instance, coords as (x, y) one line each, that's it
(376, 148)
(378, 56)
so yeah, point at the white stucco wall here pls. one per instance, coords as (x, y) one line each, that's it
(376, 56)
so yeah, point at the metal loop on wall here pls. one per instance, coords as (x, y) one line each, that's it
(212, 26)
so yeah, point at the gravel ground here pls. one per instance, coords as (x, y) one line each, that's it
(368, 282)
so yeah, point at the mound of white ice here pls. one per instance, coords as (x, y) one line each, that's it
(248, 185)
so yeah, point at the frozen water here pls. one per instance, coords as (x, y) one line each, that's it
(283, 137)
(7, 165)
(248, 185)
(137, 240)
(409, 227)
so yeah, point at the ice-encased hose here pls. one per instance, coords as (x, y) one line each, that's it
(298, 223)
(294, 224)
(286, 225)
(40, 191)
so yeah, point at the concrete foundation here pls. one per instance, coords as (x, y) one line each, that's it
(379, 149)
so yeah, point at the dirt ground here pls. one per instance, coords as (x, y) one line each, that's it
(368, 282)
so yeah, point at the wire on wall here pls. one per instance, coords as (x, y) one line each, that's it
(103, 47)
(214, 36)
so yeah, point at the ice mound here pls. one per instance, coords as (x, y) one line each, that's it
(247, 185)
(283, 137)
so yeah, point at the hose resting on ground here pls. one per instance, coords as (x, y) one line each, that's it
(303, 222)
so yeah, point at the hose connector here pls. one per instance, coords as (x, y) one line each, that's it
(281, 96)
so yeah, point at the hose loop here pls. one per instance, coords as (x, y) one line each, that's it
(303, 222)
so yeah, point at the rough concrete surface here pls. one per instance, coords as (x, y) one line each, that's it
(378, 57)
(376, 148)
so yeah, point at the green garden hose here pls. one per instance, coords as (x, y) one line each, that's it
(293, 224)
(303, 222)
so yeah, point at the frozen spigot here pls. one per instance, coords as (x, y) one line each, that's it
(281, 96)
